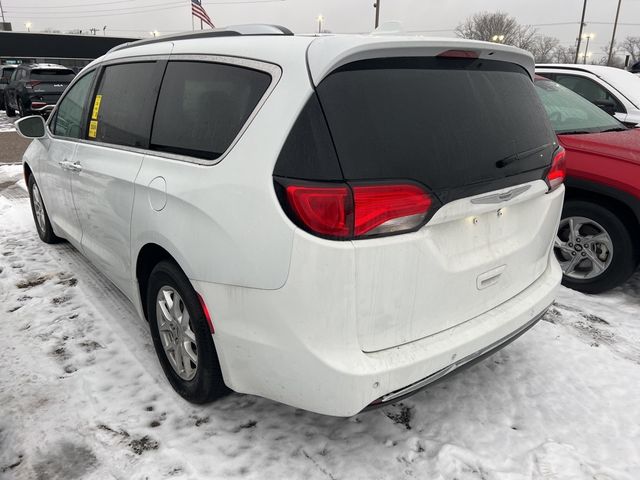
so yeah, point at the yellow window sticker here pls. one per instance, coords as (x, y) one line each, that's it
(93, 129)
(96, 107)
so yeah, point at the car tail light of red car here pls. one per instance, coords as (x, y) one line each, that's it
(343, 211)
(558, 171)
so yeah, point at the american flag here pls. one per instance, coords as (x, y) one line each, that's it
(198, 10)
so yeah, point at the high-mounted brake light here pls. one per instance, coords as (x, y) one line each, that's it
(458, 54)
(342, 211)
(558, 171)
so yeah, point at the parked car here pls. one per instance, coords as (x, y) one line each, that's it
(306, 218)
(5, 75)
(598, 244)
(614, 90)
(36, 88)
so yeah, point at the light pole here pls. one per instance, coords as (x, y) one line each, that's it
(377, 7)
(155, 33)
(497, 38)
(320, 20)
(613, 36)
(588, 36)
(584, 9)
(2, 11)
(104, 31)
(28, 25)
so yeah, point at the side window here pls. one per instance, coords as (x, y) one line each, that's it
(588, 89)
(69, 115)
(203, 106)
(122, 109)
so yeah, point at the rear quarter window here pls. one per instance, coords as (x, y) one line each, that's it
(203, 106)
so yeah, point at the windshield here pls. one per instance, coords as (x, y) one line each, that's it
(570, 113)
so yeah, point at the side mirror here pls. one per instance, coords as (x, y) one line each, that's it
(608, 106)
(31, 127)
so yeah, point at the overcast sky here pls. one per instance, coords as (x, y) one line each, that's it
(139, 17)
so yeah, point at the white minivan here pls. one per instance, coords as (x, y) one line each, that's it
(332, 222)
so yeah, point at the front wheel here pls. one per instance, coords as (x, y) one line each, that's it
(182, 337)
(40, 216)
(594, 248)
(10, 111)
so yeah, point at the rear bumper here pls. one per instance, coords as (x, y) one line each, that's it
(300, 347)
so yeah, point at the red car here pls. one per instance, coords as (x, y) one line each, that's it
(598, 243)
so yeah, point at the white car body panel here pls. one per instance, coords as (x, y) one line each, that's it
(323, 325)
(623, 85)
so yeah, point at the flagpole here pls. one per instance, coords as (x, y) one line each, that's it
(193, 25)
(201, 26)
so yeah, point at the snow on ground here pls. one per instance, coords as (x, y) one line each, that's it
(82, 394)
(6, 123)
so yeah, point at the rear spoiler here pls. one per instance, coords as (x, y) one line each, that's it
(326, 54)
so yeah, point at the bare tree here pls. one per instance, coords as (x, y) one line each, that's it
(489, 27)
(564, 54)
(616, 60)
(631, 46)
(543, 48)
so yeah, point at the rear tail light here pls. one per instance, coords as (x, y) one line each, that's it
(38, 104)
(558, 170)
(33, 83)
(342, 211)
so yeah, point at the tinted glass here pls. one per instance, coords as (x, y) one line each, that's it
(123, 107)
(6, 72)
(203, 106)
(52, 75)
(571, 113)
(308, 152)
(443, 122)
(588, 89)
(70, 116)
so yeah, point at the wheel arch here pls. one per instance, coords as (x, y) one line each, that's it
(617, 203)
(149, 255)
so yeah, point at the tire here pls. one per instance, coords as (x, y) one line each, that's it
(10, 111)
(206, 383)
(40, 215)
(2, 102)
(616, 256)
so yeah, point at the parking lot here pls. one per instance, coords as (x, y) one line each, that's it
(83, 395)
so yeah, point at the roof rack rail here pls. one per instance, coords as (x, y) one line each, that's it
(230, 31)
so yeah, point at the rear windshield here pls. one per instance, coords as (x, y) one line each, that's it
(6, 72)
(443, 122)
(571, 113)
(52, 75)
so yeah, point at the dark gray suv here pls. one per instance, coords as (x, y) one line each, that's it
(36, 88)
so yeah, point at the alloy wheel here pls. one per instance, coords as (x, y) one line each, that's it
(583, 247)
(176, 333)
(38, 207)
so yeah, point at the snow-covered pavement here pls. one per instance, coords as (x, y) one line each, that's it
(83, 396)
(6, 123)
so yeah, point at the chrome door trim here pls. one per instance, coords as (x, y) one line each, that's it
(501, 197)
(275, 71)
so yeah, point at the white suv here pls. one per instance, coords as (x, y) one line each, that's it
(309, 219)
(614, 90)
